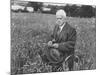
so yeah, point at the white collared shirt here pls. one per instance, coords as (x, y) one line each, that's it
(61, 27)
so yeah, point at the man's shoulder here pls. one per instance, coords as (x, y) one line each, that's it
(56, 26)
(69, 27)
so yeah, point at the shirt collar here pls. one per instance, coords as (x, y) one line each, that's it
(61, 27)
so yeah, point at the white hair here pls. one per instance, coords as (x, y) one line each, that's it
(61, 13)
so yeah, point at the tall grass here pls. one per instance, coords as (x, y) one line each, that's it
(30, 30)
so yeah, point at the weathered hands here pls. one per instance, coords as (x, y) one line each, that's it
(55, 45)
(49, 43)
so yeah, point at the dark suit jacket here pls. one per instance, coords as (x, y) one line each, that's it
(66, 40)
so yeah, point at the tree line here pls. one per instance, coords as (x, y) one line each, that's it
(71, 10)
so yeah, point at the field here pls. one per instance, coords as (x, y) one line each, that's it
(30, 30)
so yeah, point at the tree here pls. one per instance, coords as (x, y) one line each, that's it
(35, 5)
(86, 11)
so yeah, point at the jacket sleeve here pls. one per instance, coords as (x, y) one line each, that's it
(70, 43)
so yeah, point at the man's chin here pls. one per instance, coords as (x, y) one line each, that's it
(60, 25)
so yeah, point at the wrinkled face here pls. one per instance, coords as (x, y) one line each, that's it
(60, 20)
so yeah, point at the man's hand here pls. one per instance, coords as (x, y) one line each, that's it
(49, 43)
(55, 45)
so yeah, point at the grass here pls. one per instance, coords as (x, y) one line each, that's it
(30, 30)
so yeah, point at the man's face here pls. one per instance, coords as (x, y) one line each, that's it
(59, 20)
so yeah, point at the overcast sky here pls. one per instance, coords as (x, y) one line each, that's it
(86, 2)
(63, 2)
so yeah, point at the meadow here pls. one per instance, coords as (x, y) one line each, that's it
(30, 30)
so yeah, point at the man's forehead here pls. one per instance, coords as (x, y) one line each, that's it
(59, 16)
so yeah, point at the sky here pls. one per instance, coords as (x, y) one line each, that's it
(86, 2)
(62, 2)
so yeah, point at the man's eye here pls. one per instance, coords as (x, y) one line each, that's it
(59, 18)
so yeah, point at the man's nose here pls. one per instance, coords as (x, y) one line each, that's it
(58, 21)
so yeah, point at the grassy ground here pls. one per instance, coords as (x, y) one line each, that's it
(30, 30)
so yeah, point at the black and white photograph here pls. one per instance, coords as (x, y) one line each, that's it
(52, 37)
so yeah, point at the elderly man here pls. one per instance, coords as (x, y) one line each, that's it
(62, 43)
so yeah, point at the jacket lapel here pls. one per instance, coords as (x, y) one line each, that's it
(62, 34)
